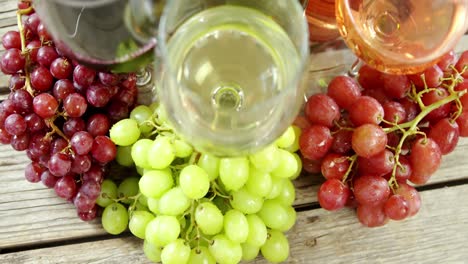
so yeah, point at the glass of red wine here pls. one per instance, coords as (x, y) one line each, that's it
(114, 35)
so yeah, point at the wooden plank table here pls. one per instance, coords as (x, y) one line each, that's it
(38, 227)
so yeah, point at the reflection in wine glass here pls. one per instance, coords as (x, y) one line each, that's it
(115, 35)
(401, 36)
(232, 70)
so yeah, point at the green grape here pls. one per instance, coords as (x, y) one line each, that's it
(276, 248)
(273, 214)
(153, 205)
(114, 218)
(138, 222)
(209, 218)
(201, 255)
(128, 188)
(124, 156)
(161, 153)
(257, 231)
(287, 138)
(249, 252)
(210, 164)
(140, 153)
(141, 114)
(287, 165)
(174, 202)
(299, 167)
(182, 148)
(234, 172)
(276, 187)
(143, 199)
(155, 183)
(108, 193)
(125, 132)
(162, 230)
(287, 194)
(259, 182)
(194, 182)
(297, 134)
(292, 216)
(246, 202)
(236, 226)
(265, 159)
(225, 251)
(151, 251)
(138, 207)
(161, 114)
(175, 252)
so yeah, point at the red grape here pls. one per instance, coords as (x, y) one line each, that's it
(73, 125)
(75, 105)
(425, 159)
(60, 164)
(404, 171)
(46, 55)
(32, 22)
(61, 68)
(462, 122)
(379, 164)
(395, 86)
(395, 113)
(16, 82)
(65, 187)
(81, 142)
(344, 90)
(20, 142)
(91, 189)
(368, 140)
(81, 164)
(22, 101)
(369, 78)
(95, 173)
(366, 110)
(334, 166)
(48, 179)
(446, 134)
(371, 190)
(311, 166)
(396, 207)
(98, 125)
(58, 145)
(62, 89)
(371, 216)
(108, 79)
(12, 61)
(333, 194)
(11, 40)
(462, 64)
(450, 58)
(315, 142)
(98, 95)
(33, 48)
(433, 97)
(15, 125)
(103, 149)
(41, 79)
(83, 203)
(83, 75)
(45, 105)
(33, 172)
(411, 196)
(42, 32)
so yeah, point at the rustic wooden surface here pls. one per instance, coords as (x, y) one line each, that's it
(38, 227)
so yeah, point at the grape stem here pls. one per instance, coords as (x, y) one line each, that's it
(55, 130)
(19, 15)
(413, 124)
(352, 160)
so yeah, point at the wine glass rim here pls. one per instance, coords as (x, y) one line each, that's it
(303, 50)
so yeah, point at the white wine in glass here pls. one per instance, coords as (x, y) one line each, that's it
(232, 74)
(401, 36)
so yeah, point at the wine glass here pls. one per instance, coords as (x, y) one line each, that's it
(115, 35)
(232, 71)
(401, 36)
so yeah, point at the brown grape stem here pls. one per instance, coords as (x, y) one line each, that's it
(55, 130)
(352, 160)
(19, 20)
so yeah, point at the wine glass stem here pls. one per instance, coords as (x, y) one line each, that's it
(354, 69)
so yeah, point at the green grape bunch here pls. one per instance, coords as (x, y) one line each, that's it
(194, 207)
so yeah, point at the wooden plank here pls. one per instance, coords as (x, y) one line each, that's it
(30, 213)
(437, 234)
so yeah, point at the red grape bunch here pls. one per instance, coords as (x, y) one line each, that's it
(373, 136)
(60, 113)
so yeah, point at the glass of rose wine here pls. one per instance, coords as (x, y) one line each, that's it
(232, 71)
(401, 36)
